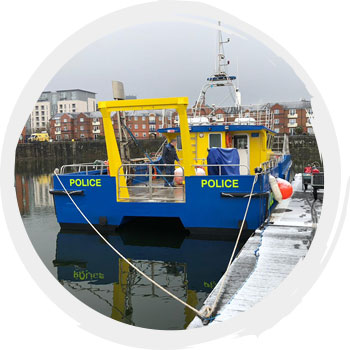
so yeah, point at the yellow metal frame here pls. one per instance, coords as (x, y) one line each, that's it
(177, 103)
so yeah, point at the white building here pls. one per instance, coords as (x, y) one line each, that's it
(61, 101)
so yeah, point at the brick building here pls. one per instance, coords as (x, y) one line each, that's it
(282, 117)
(89, 125)
(61, 101)
(145, 125)
(76, 126)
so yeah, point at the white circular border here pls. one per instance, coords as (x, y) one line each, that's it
(272, 308)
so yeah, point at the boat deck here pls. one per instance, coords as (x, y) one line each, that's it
(142, 192)
(268, 257)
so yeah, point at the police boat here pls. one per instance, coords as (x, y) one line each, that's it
(223, 177)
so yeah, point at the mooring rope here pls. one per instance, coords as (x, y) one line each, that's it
(122, 256)
(208, 310)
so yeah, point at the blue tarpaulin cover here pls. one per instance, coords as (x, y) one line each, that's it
(223, 156)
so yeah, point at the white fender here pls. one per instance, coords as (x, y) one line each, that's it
(275, 189)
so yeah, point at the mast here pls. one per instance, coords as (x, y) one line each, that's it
(220, 78)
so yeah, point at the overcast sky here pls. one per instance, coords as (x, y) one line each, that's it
(174, 59)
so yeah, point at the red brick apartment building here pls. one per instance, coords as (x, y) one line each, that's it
(89, 125)
(76, 126)
(285, 117)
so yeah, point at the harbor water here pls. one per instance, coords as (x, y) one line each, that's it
(93, 273)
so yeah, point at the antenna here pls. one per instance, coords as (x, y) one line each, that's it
(220, 78)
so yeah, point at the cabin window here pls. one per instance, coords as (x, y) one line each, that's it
(240, 141)
(214, 140)
(178, 142)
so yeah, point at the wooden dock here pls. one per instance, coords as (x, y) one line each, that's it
(268, 257)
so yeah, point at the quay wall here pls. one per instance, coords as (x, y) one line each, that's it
(89, 150)
(303, 149)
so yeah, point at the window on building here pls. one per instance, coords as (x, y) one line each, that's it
(143, 118)
(37, 124)
(65, 128)
(81, 127)
(73, 110)
(37, 118)
(277, 130)
(96, 128)
(60, 106)
(36, 113)
(214, 140)
(160, 119)
(82, 136)
(58, 137)
(73, 105)
(143, 126)
(292, 111)
(136, 126)
(66, 136)
(61, 111)
(136, 134)
(310, 131)
(82, 120)
(292, 121)
(247, 114)
(136, 118)
(310, 110)
(42, 107)
(43, 119)
(144, 134)
(58, 129)
(36, 108)
(152, 128)
(65, 120)
(42, 112)
(276, 111)
(277, 121)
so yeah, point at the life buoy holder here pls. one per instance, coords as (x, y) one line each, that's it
(228, 140)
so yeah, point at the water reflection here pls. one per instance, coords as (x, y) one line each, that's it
(94, 273)
(33, 191)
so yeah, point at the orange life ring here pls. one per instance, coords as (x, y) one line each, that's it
(154, 173)
(228, 140)
(106, 162)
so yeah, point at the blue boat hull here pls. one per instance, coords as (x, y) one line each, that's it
(212, 202)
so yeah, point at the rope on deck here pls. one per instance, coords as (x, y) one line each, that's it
(207, 314)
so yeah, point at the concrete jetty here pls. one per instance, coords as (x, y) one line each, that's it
(268, 256)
